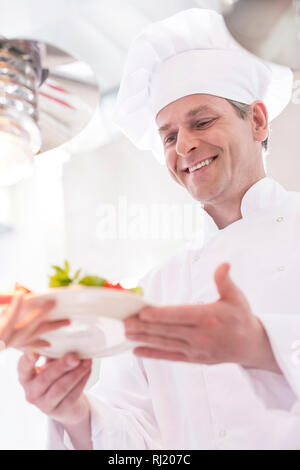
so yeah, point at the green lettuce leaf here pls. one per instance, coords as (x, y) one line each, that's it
(92, 281)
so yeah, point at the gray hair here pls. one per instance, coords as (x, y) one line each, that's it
(243, 111)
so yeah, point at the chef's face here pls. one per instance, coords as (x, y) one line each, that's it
(204, 127)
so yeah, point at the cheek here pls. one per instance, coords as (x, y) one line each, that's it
(171, 161)
(213, 139)
(175, 178)
(226, 141)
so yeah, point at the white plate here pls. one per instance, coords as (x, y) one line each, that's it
(96, 314)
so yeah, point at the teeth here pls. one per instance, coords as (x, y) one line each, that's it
(200, 165)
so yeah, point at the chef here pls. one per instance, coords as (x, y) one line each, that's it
(219, 367)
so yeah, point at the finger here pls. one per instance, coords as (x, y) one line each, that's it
(49, 360)
(136, 326)
(38, 343)
(74, 394)
(10, 315)
(25, 333)
(160, 342)
(26, 366)
(35, 317)
(62, 387)
(50, 374)
(175, 314)
(22, 340)
(152, 353)
(49, 326)
(226, 287)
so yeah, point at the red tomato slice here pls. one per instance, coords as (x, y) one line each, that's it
(20, 287)
(113, 286)
(6, 297)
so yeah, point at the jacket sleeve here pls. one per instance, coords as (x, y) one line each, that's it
(281, 391)
(122, 415)
(281, 320)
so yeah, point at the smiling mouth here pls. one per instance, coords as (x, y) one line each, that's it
(201, 165)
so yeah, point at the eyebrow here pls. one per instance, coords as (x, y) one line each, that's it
(191, 113)
(200, 109)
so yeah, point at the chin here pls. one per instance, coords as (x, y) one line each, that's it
(197, 195)
(200, 196)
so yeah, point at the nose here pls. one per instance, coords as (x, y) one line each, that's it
(186, 142)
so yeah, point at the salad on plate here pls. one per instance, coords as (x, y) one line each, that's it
(62, 278)
(94, 306)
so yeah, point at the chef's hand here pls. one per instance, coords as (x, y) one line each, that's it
(225, 331)
(26, 333)
(57, 390)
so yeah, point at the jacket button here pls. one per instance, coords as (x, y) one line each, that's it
(279, 219)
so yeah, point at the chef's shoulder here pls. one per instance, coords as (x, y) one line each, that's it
(292, 204)
(294, 197)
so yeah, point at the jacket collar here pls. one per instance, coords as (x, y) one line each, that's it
(259, 198)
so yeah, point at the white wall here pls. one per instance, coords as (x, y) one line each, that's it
(284, 158)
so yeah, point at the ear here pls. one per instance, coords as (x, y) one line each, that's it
(260, 122)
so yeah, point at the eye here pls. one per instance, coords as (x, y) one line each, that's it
(201, 124)
(169, 140)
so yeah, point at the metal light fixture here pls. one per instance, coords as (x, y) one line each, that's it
(269, 29)
(46, 98)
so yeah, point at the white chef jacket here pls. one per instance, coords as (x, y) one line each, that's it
(151, 404)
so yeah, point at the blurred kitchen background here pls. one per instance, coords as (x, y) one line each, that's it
(53, 213)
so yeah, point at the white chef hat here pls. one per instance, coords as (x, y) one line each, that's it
(188, 53)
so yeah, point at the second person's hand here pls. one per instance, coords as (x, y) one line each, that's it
(56, 388)
(25, 333)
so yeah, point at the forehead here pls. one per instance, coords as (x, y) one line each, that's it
(191, 105)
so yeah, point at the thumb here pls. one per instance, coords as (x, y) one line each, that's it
(26, 366)
(226, 287)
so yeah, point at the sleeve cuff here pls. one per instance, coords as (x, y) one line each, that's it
(58, 437)
(111, 429)
(280, 391)
(67, 441)
(284, 336)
